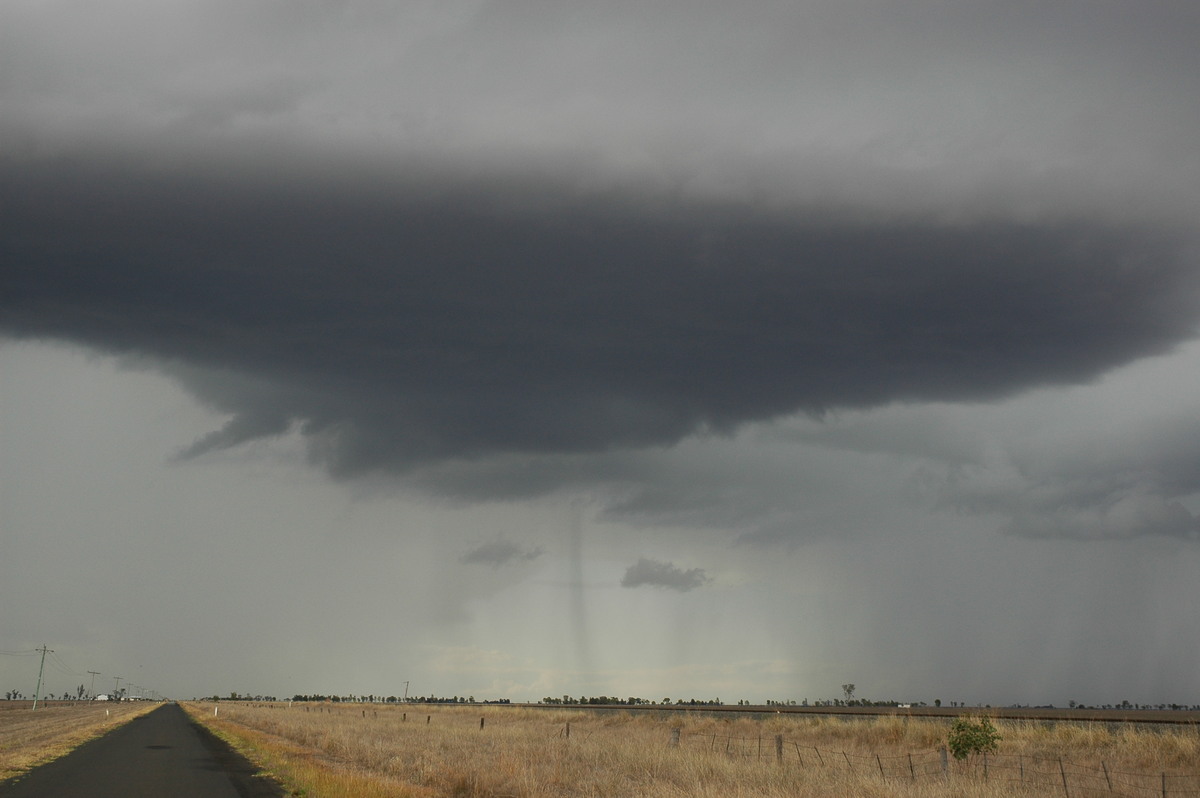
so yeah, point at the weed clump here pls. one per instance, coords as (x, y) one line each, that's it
(969, 736)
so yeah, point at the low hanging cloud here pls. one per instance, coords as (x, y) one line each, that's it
(655, 573)
(393, 331)
(1127, 516)
(419, 237)
(500, 552)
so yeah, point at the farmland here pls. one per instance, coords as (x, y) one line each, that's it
(418, 750)
(28, 738)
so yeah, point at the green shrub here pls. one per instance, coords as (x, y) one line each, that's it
(972, 736)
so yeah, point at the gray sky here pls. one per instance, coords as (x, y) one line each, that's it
(521, 349)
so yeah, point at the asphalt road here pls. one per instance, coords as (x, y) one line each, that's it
(162, 754)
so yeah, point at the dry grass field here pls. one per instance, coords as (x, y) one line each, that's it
(30, 737)
(343, 750)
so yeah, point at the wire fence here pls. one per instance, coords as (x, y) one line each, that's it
(1053, 776)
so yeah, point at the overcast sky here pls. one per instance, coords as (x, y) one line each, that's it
(521, 349)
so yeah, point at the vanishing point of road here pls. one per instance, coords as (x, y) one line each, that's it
(162, 754)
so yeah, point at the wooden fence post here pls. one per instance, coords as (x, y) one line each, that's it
(1107, 779)
(481, 724)
(779, 748)
(911, 770)
(879, 762)
(674, 737)
(945, 761)
(1164, 784)
(1062, 771)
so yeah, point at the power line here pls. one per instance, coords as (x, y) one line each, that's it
(62, 667)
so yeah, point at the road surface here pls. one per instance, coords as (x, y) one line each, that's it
(162, 754)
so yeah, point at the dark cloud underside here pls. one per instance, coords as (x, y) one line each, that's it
(500, 552)
(655, 573)
(398, 325)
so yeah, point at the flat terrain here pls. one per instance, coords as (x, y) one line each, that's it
(347, 750)
(159, 753)
(1063, 714)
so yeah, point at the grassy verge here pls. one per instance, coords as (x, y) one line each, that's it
(302, 770)
(31, 738)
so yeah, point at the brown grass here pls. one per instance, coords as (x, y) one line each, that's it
(343, 750)
(29, 738)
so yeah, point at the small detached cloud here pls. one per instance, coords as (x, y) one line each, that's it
(663, 574)
(500, 552)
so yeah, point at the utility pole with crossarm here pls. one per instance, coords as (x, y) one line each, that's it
(38, 692)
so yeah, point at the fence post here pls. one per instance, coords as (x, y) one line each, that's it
(945, 761)
(568, 730)
(1106, 776)
(1062, 771)
(879, 762)
(481, 724)
(849, 764)
(985, 765)
(779, 748)
(675, 737)
(911, 770)
(1164, 784)
(427, 719)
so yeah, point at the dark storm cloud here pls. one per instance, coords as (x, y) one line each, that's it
(655, 573)
(394, 325)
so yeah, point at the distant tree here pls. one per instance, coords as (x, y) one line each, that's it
(848, 689)
(937, 702)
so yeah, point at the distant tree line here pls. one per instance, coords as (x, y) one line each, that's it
(233, 696)
(391, 699)
(604, 700)
(17, 695)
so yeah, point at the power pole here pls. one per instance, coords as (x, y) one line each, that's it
(406, 691)
(38, 692)
(93, 690)
(116, 684)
